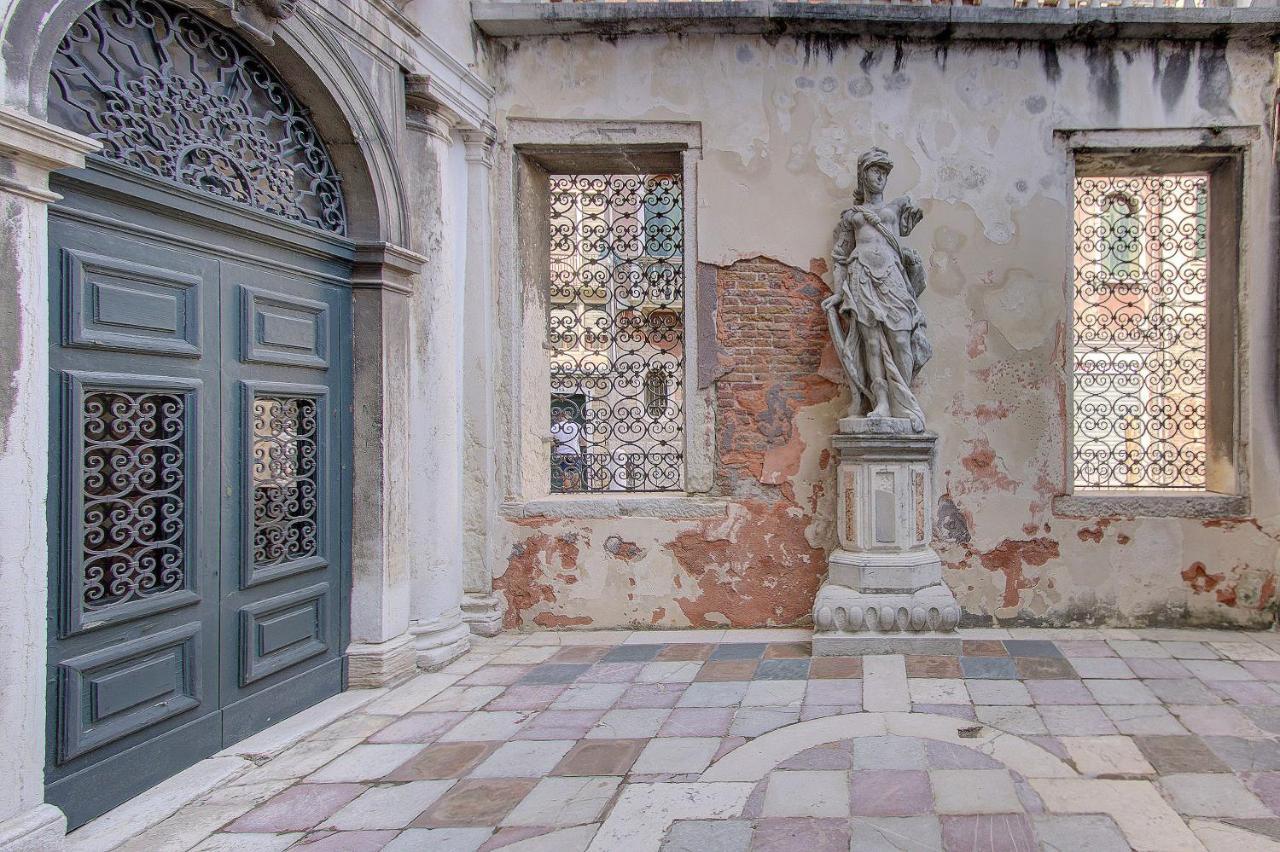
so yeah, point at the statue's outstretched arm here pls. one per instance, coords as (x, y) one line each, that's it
(909, 215)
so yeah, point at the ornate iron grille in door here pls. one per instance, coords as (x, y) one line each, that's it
(616, 331)
(1141, 276)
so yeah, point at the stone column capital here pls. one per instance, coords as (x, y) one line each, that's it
(479, 144)
(35, 147)
(424, 108)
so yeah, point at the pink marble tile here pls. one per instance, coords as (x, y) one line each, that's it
(527, 697)
(1263, 669)
(418, 728)
(1086, 648)
(697, 722)
(611, 673)
(298, 808)
(642, 695)
(988, 833)
(1059, 692)
(1246, 691)
(887, 792)
(559, 725)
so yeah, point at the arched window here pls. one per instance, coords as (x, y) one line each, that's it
(172, 94)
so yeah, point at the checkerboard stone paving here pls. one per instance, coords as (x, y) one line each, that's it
(1098, 740)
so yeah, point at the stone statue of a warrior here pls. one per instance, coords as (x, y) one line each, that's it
(874, 315)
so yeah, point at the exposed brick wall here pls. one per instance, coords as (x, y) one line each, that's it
(771, 334)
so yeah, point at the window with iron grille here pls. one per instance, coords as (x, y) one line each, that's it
(616, 332)
(1140, 322)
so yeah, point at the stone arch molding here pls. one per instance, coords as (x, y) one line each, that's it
(752, 761)
(308, 57)
(645, 811)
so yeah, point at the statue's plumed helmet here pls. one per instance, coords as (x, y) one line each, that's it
(874, 157)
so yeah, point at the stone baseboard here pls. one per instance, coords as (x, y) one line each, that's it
(483, 613)
(41, 829)
(372, 665)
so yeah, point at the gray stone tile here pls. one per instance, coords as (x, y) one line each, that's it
(1244, 755)
(554, 673)
(1183, 691)
(1013, 720)
(754, 721)
(781, 670)
(1031, 648)
(1143, 719)
(895, 834)
(738, 651)
(1266, 718)
(632, 654)
(726, 693)
(1076, 721)
(441, 839)
(1095, 833)
(712, 835)
(1212, 795)
(889, 753)
(988, 667)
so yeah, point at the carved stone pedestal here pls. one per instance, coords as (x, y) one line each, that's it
(884, 592)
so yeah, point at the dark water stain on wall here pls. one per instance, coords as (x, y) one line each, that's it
(1215, 80)
(1104, 77)
(1049, 61)
(1172, 75)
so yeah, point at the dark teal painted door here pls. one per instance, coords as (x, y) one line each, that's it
(198, 505)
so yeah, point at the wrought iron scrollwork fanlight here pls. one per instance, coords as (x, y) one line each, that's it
(172, 94)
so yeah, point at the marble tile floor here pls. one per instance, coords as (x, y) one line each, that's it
(702, 741)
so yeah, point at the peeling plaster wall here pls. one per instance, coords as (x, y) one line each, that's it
(970, 127)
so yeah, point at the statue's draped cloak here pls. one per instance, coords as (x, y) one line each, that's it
(876, 291)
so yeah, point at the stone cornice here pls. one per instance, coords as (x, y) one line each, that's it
(830, 21)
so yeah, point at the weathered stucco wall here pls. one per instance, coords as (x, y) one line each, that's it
(972, 129)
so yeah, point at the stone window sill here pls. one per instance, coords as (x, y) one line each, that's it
(618, 506)
(1150, 504)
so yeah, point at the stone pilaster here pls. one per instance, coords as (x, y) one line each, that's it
(481, 608)
(29, 150)
(382, 281)
(436, 383)
(884, 591)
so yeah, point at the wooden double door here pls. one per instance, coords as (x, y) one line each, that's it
(199, 500)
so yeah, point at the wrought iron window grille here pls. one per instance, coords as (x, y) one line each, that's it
(1140, 331)
(615, 328)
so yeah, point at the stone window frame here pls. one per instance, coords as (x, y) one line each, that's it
(529, 151)
(1227, 154)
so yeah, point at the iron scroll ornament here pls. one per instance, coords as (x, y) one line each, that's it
(171, 94)
(134, 484)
